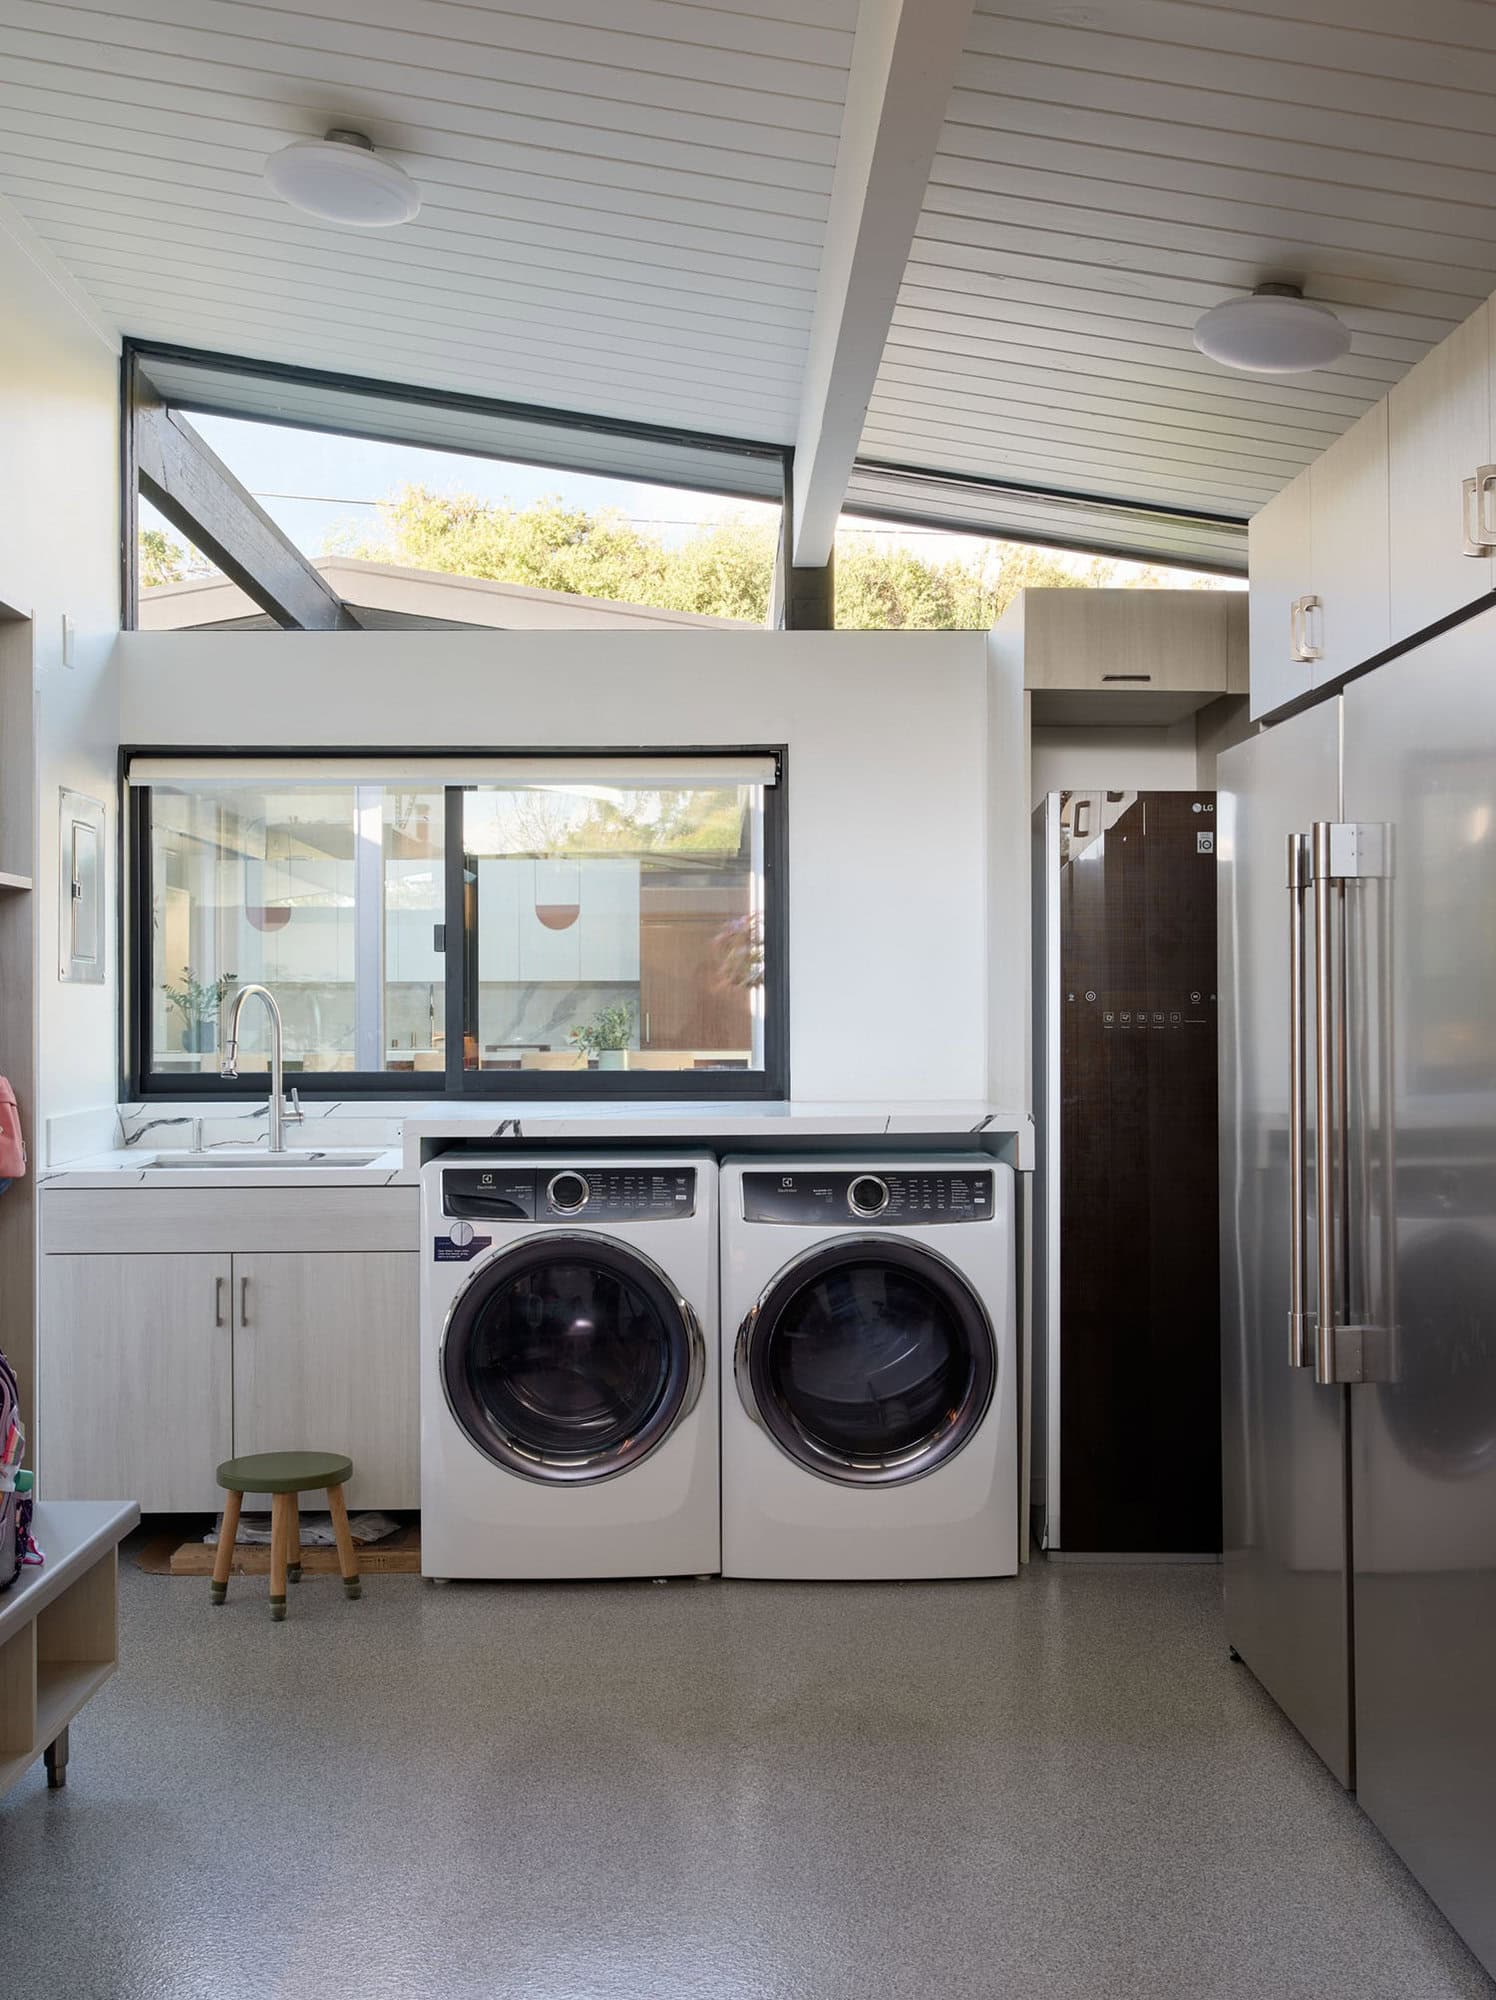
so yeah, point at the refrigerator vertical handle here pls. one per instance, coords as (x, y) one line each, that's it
(1300, 875)
(1327, 1046)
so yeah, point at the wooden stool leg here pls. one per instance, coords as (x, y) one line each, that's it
(224, 1560)
(280, 1534)
(347, 1554)
(293, 1540)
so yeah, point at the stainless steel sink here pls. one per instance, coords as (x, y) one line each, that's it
(227, 1156)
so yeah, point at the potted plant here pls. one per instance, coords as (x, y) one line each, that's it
(607, 1036)
(199, 1002)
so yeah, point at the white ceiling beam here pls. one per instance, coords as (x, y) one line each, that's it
(904, 58)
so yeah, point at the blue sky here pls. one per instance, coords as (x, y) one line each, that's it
(315, 484)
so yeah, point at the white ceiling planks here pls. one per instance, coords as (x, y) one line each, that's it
(1106, 173)
(624, 200)
(670, 212)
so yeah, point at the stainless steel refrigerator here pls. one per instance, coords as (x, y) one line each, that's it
(1357, 910)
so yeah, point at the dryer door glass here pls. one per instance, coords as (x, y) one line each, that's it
(869, 1363)
(570, 1359)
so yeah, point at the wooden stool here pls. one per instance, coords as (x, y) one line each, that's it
(284, 1475)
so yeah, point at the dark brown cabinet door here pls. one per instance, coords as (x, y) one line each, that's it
(1140, 1465)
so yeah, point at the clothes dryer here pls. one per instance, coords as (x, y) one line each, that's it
(869, 1409)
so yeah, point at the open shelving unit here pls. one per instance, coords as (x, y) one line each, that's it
(59, 1627)
(18, 993)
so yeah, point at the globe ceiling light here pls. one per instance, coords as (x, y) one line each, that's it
(1277, 331)
(342, 179)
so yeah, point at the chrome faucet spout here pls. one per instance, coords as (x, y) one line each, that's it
(279, 1115)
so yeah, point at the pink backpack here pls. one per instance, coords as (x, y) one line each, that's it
(12, 1145)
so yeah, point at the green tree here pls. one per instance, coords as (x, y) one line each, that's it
(724, 569)
(163, 560)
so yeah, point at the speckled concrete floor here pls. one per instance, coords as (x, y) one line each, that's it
(1059, 1787)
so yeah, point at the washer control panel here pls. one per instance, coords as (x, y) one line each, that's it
(569, 1194)
(882, 1196)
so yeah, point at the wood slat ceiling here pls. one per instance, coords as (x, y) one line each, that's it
(624, 200)
(1109, 170)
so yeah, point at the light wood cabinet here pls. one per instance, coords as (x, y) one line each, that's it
(1318, 559)
(156, 1366)
(1390, 530)
(1279, 556)
(326, 1358)
(1125, 655)
(136, 1379)
(1440, 422)
(1347, 619)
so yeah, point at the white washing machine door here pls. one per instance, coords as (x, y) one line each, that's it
(869, 1360)
(570, 1358)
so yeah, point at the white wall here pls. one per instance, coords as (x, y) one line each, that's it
(1179, 758)
(59, 554)
(1078, 759)
(893, 761)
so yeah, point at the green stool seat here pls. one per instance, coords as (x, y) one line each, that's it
(284, 1471)
(285, 1475)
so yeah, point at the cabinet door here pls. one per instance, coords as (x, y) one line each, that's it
(1278, 557)
(1440, 427)
(136, 1379)
(326, 1358)
(1348, 545)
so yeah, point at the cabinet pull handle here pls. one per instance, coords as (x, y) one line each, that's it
(1470, 509)
(244, 1302)
(1309, 650)
(1485, 526)
(1127, 677)
(218, 1301)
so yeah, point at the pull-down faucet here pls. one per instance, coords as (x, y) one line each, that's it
(280, 1115)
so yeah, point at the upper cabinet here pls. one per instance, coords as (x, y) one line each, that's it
(1127, 655)
(1390, 530)
(1279, 564)
(1440, 418)
(1346, 618)
(1317, 554)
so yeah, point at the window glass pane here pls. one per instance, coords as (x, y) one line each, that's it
(326, 894)
(414, 537)
(614, 928)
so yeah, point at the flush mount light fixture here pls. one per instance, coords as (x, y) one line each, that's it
(342, 179)
(1277, 331)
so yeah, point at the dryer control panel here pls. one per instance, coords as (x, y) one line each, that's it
(569, 1194)
(890, 1195)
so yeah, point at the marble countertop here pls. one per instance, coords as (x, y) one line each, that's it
(404, 1135)
(946, 1122)
(134, 1167)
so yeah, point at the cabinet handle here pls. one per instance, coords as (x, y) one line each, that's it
(1485, 527)
(1308, 649)
(1475, 541)
(244, 1302)
(218, 1302)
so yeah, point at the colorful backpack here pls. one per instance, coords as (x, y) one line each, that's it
(16, 1546)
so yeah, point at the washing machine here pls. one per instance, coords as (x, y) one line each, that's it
(869, 1405)
(569, 1359)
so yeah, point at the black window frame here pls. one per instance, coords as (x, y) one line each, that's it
(137, 355)
(140, 1084)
